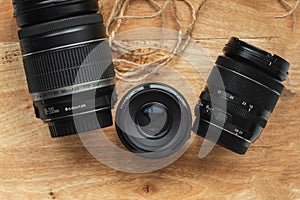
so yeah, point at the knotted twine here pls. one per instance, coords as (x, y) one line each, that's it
(292, 11)
(140, 72)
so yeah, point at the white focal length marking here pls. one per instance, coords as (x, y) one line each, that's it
(51, 111)
(75, 107)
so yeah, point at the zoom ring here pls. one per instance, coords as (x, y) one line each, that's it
(66, 67)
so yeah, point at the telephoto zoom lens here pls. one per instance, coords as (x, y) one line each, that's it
(153, 120)
(242, 91)
(66, 53)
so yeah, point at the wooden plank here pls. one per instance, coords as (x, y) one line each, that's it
(34, 166)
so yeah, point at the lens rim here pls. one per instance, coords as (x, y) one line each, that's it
(271, 65)
(169, 143)
(28, 13)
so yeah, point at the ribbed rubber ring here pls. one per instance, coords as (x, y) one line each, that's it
(57, 69)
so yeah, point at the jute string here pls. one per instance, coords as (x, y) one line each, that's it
(292, 11)
(140, 72)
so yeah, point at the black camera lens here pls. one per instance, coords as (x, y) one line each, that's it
(66, 53)
(239, 105)
(153, 120)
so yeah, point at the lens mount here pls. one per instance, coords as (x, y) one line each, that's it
(153, 120)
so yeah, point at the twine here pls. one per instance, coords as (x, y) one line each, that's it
(292, 12)
(137, 72)
(140, 72)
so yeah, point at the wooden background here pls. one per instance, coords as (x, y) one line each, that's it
(34, 166)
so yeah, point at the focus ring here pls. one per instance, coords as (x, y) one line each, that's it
(66, 67)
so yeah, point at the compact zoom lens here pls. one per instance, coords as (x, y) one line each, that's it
(153, 120)
(239, 105)
(65, 53)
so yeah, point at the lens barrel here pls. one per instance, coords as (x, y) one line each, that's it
(153, 120)
(238, 106)
(66, 53)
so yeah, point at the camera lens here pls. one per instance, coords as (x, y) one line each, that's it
(153, 120)
(240, 104)
(66, 53)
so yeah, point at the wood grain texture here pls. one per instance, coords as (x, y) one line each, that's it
(34, 166)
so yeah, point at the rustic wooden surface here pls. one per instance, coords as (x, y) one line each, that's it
(34, 166)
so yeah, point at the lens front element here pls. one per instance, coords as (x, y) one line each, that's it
(152, 120)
